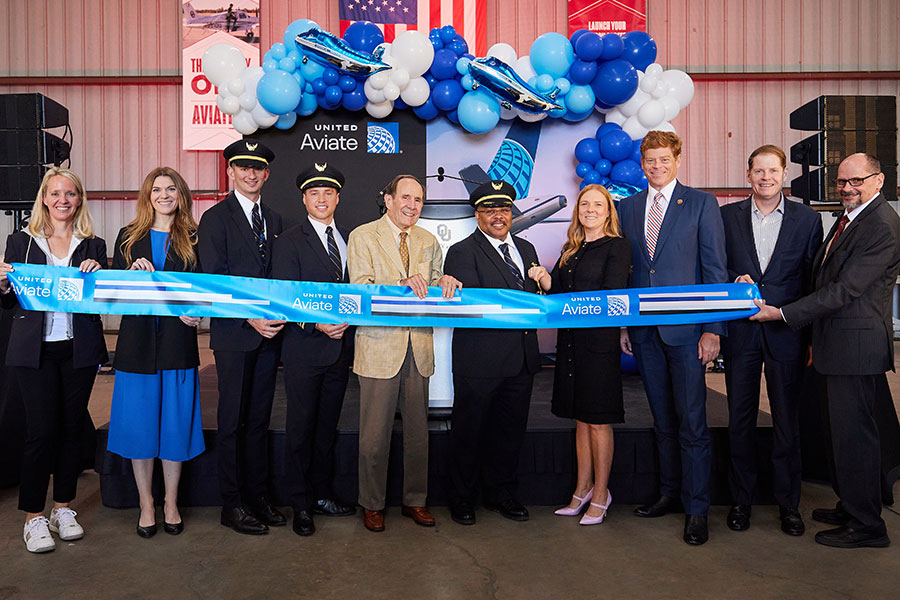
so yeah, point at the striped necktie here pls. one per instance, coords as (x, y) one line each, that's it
(258, 231)
(654, 222)
(334, 254)
(504, 247)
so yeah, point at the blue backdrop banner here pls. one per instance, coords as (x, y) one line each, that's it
(167, 293)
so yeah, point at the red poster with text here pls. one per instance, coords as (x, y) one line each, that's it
(607, 16)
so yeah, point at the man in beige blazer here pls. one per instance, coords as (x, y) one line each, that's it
(393, 251)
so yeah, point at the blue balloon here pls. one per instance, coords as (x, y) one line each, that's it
(551, 54)
(458, 46)
(478, 111)
(297, 27)
(616, 82)
(582, 185)
(453, 116)
(557, 113)
(269, 64)
(462, 65)
(606, 128)
(286, 121)
(333, 94)
(355, 99)
(319, 86)
(583, 168)
(321, 101)
(627, 171)
(295, 56)
(603, 166)
(444, 64)
(296, 75)
(564, 85)
(544, 83)
(574, 37)
(580, 99)
(363, 36)
(615, 146)
(574, 117)
(589, 47)
(592, 177)
(287, 64)
(426, 111)
(467, 81)
(604, 181)
(331, 76)
(612, 46)
(636, 150)
(436, 43)
(432, 81)
(311, 70)
(448, 34)
(399, 104)
(587, 151)
(640, 49)
(278, 51)
(435, 31)
(468, 55)
(601, 105)
(347, 83)
(278, 92)
(447, 94)
(582, 72)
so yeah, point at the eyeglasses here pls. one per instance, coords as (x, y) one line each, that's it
(853, 181)
(494, 211)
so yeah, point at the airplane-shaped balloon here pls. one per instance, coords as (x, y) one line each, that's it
(620, 190)
(503, 82)
(331, 51)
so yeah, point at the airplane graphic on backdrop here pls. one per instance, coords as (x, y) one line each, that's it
(231, 21)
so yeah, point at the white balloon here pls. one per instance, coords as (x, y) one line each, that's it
(386, 54)
(680, 84)
(654, 69)
(380, 79)
(633, 128)
(372, 94)
(248, 99)
(630, 107)
(651, 114)
(507, 113)
(601, 110)
(524, 69)
(672, 107)
(413, 51)
(616, 116)
(530, 117)
(665, 126)
(230, 105)
(222, 63)
(251, 76)
(243, 123)
(400, 77)
(648, 83)
(661, 89)
(391, 92)
(263, 117)
(379, 110)
(416, 92)
(236, 86)
(504, 52)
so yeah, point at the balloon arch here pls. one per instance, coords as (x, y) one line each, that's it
(434, 75)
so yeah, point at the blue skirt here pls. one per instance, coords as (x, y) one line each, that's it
(156, 415)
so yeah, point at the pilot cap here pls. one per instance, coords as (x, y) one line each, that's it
(248, 153)
(320, 175)
(493, 194)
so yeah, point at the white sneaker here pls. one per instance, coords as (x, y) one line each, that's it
(62, 521)
(37, 536)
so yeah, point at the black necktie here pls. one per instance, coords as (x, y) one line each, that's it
(512, 266)
(258, 231)
(334, 254)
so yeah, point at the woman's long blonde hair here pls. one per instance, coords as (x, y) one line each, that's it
(40, 225)
(575, 235)
(183, 233)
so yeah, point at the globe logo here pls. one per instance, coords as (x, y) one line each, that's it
(617, 305)
(349, 304)
(70, 289)
(382, 139)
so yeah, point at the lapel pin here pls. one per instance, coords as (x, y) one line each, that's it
(679, 201)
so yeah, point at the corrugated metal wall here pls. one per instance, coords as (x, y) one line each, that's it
(122, 130)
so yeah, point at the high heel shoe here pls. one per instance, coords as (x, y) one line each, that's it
(146, 532)
(173, 528)
(586, 520)
(565, 511)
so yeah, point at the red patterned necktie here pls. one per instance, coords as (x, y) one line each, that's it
(654, 222)
(840, 229)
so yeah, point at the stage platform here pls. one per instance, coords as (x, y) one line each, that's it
(546, 466)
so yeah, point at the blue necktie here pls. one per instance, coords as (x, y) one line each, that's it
(512, 266)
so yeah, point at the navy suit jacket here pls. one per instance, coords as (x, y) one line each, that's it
(226, 246)
(787, 275)
(690, 250)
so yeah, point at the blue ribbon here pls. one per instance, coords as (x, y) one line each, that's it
(168, 293)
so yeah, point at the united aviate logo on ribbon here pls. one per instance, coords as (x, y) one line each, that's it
(166, 293)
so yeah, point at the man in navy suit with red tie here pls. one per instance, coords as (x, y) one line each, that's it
(677, 238)
(770, 241)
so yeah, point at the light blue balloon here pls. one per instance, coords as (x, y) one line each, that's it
(278, 92)
(269, 64)
(478, 111)
(277, 51)
(564, 85)
(580, 99)
(556, 113)
(297, 27)
(311, 70)
(544, 83)
(308, 105)
(462, 65)
(296, 75)
(532, 81)
(286, 121)
(466, 81)
(552, 54)
(287, 64)
(295, 56)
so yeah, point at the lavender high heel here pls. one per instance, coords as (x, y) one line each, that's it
(565, 511)
(586, 520)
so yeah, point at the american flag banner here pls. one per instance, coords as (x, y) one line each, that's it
(394, 17)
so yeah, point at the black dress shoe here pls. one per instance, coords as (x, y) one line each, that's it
(663, 506)
(146, 532)
(267, 513)
(847, 537)
(791, 521)
(332, 508)
(738, 517)
(832, 516)
(173, 528)
(303, 523)
(463, 513)
(509, 509)
(696, 531)
(242, 520)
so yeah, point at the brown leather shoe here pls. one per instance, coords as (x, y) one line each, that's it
(419, 514)
(373, 520)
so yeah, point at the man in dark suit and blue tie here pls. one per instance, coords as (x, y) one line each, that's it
(770, 241)
(316, 356)
(677, 238)
(235, 238)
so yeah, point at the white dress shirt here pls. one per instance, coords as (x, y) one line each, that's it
(664, 203)
(247, 206)
(513, 251)
(323, 237)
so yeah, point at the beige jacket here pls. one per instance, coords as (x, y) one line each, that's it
(373, 257)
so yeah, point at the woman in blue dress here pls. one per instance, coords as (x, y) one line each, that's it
(156, 398)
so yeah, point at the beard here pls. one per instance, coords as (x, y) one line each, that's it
(851, 202)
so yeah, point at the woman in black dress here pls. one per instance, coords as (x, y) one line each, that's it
(587, 384)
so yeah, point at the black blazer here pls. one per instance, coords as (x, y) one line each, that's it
(226, 246)
(786, 279)
(27, 335)
(850, 309)
(148, 344)
(299, 255)
(491, 352)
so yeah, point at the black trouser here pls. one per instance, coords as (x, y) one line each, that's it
(55, 396)
(315, 396)
(246, 389)
(490, 415)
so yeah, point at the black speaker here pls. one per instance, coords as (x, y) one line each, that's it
(19, 185)
(846, 112)
(31, 146)
(830, 147)
(822, 189)
(31, 111)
